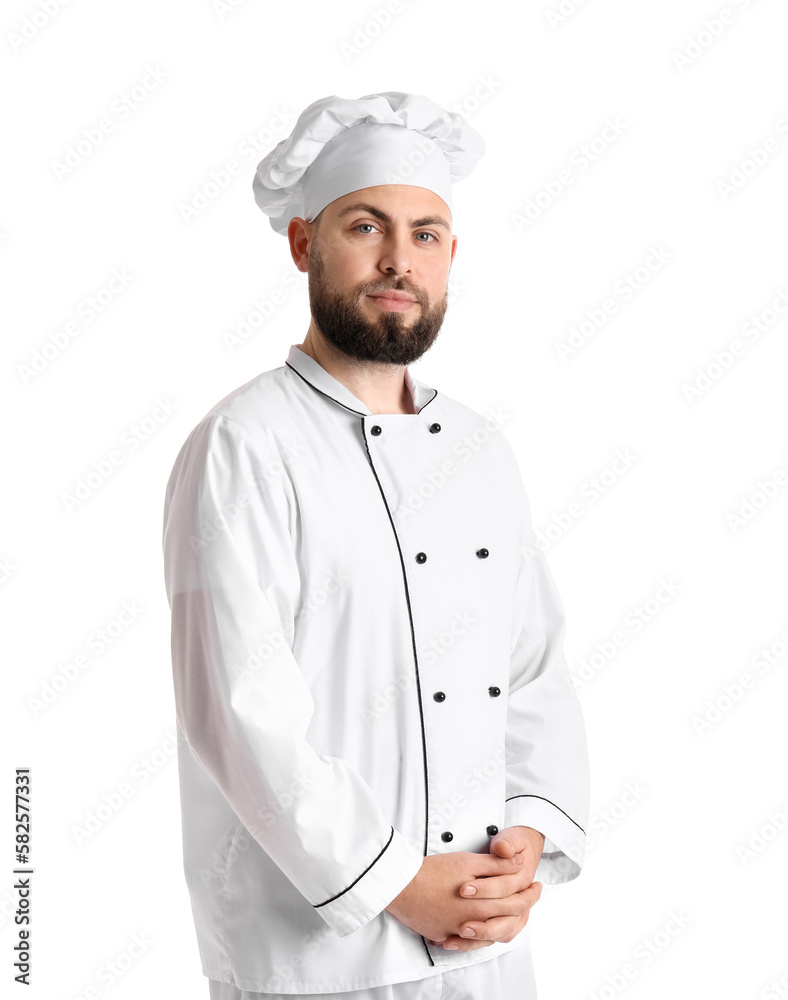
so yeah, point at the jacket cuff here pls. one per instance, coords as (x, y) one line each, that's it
(397, 864)
(564, 841)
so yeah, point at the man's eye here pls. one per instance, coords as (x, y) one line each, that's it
(434, 237)
(365, 224)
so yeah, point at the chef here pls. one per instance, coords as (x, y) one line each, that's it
(381, 754)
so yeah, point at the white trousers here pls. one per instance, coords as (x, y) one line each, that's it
(506, 977)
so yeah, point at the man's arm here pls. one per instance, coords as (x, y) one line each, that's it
(242, 701)
(547, 775)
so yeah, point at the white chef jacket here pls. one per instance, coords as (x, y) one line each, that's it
(367, 666)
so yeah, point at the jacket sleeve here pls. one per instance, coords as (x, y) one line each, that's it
(243, 703)
(547, 774)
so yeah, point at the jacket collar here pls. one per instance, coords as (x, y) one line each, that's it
(314, 373)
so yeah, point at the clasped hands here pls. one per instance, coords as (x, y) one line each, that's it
(437, 905)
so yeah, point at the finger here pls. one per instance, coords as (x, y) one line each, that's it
(455, 943)
(493, 864)
(502, 846)
(504, 906)
(495, 886)
(495, 929)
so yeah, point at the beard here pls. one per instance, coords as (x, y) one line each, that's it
(390, 338)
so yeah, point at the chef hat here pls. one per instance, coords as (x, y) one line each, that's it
(339, 145)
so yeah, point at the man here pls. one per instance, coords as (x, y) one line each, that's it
(380, 747)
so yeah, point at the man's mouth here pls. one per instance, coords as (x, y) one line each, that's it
(394, 301)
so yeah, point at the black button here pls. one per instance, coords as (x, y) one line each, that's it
(447, 836)
(376, 429)
(492, 830)
(439, 696)
(421, 557)
(434, 428)
(494, 692)
(482, 553)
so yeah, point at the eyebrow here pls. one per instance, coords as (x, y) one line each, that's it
(429, 220)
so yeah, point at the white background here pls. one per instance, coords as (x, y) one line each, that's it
(677, 808)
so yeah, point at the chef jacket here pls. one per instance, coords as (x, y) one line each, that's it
(368, 668)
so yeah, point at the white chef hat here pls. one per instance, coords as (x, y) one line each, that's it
(340, 145)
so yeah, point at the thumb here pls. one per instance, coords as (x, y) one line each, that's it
(502, 846)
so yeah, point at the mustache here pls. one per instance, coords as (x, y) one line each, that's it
(393, 288)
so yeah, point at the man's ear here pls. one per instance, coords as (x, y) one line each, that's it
(299, 235)
(454, 241)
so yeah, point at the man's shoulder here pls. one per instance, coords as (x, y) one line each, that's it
(259, 401)
(264, 403)
(257, 413)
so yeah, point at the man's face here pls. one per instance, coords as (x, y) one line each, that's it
(378, 239)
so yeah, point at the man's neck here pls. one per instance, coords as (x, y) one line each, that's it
(380, 387)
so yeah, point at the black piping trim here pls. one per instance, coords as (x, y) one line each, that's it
(298, 373)
(331, 900)
(415, 661)
(526, 796)
(434, 394)
(349, 408)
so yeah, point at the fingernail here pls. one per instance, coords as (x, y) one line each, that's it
(469, 890)
(452, 947)
(468, 932)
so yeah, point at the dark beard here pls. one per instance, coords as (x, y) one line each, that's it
(386, 340)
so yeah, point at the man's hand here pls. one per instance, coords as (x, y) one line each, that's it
(432, 904)
(507, 889)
